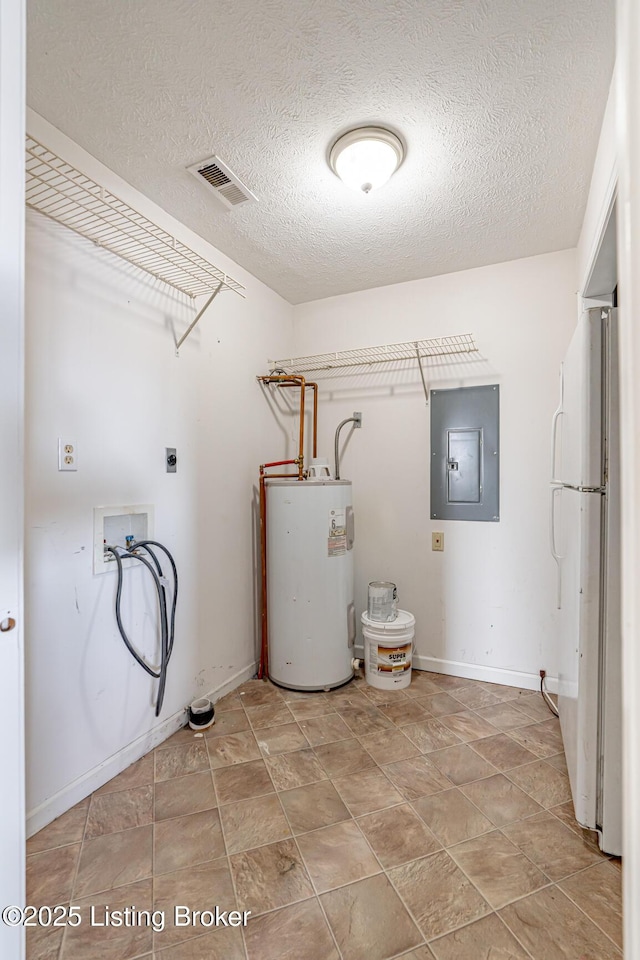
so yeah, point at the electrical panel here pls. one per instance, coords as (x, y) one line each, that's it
(465, 454)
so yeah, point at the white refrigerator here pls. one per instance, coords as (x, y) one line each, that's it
(585, 542)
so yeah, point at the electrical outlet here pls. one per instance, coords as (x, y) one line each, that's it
(67, 454)
(437, 541)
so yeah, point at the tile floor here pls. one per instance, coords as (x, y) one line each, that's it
(434, 822)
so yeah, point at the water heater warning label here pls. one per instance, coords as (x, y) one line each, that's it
(337, 542)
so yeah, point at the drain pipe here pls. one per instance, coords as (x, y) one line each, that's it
(356, 419)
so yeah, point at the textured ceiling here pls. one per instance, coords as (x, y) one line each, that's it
(498, 101)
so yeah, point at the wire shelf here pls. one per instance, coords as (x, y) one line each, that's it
(65, 194)
(416, 350)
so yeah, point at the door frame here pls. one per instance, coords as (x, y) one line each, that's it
(12, 748)
(628, 94)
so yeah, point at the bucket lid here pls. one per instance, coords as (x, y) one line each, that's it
(401, 622)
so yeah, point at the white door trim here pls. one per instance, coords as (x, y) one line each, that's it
(12, 791)
(628, 43)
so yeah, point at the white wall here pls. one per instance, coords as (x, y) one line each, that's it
(602, 191)
(486, 606)
(102, 370)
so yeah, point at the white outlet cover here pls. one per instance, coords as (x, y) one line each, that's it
(67, 455)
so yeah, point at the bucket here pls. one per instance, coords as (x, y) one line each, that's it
(387, 651)
(383, 601)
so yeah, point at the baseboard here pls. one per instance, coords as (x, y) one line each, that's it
(80, 788)
(474, 671)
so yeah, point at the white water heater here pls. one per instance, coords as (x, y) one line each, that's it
(311, 613)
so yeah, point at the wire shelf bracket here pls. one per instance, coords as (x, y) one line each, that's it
(367, 357)
(63, 193)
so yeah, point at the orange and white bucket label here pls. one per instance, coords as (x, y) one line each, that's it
(390, 660)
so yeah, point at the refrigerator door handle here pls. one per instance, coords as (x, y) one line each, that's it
(552, 541)
(554, 427)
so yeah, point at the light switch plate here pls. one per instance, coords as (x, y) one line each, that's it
(67, 455)
(437, 541)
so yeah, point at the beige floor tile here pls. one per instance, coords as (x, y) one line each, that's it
(564, 812)
(535, 707)
(598, 891)
(137, 775)
(542, 739)
(551, 846)
(504, 692)
(269, 715)
(242, 781)
(416, 777)
(461, 765)
(551, 927)
(503, 752)
(115, 860)
(182, 795)
(181, 760)
(319, 706)
(384, 696)
(282, 739)
(347, 697)
(407, 711)
(421, 953)
(228, 722)
(476, 696)
(68, 828)
(223, 943)
(446, 682)
(441, 704)
(559, 761)
(253, 693)
(113, 812)
(336, 855)
(234, 748)
(369, 920)
(315, 805)
(451, 817)
(366, 791)
(277, 935)
(364, 720)
(497, 868)
(87, 942)
(43, 943)
(288, 770)
(425, 688)
(486, 939)
(389, 745)
(469, 726)
(501, 800)
(251, 823)
(50, 875)
(183, 841)
(270, 876)
(438, 894)
(547, 785)
(504, 716)
(398, 835)
(200, 887)
(344, 757)
(231, 701)
(325, 729)
(430, 735)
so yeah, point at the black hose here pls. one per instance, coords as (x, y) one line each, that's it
(167, 630)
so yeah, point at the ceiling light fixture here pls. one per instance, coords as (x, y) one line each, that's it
(366, 158)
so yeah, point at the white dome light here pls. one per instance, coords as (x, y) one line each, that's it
(366, 158)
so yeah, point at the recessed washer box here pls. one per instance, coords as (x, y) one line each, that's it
(112, 526)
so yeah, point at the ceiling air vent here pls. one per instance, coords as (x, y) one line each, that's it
(218, 178)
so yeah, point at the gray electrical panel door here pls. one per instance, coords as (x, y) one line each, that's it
(465, 433)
